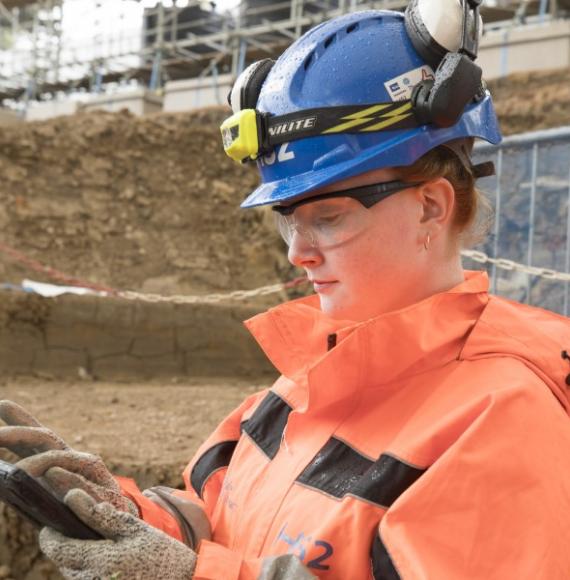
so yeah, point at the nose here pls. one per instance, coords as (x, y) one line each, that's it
(302, 254)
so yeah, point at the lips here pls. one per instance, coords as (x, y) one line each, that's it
(323, 285)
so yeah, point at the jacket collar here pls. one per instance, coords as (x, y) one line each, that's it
(373, 353)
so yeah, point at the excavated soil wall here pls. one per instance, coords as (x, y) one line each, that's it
(532, 101)
(148, 204)
(113, 339)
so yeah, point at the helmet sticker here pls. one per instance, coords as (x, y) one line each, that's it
(400, 88)
(280, 155)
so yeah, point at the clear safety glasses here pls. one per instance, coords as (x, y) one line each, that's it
(334, 218)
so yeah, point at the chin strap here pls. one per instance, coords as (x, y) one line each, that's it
(462, 149)
(485, 169)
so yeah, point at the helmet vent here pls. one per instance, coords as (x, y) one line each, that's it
(329, 40)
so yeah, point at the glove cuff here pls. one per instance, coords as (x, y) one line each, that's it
(193, 521)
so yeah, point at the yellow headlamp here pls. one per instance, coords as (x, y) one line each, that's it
(240, 135)
(249, 133)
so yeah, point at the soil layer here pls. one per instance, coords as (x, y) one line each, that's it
(150, 204)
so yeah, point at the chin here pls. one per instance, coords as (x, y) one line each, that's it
(334, 308)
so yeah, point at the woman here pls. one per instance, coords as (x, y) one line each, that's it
(419, 428)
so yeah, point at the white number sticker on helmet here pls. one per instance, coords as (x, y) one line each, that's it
(285, 155)
(282, 155)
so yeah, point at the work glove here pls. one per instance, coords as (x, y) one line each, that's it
(59, 467)
(130, 550)
(285, 567)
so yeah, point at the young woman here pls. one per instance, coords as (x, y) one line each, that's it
(420, 427)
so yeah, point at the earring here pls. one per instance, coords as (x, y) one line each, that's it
(427, 242)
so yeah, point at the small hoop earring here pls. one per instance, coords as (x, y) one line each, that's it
(427, 242)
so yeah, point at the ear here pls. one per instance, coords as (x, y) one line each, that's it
(437, 200)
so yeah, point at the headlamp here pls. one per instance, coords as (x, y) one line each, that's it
(240, 134)
(249, 134)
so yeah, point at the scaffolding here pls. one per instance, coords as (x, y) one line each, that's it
(187, 39)
(36, 27)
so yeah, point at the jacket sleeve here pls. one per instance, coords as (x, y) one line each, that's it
(494, 505)
(203, 479)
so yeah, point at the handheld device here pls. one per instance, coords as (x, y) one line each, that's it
(28, 497)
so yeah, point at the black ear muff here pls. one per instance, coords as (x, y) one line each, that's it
(246, 89)
(457, 82)
(250, 90)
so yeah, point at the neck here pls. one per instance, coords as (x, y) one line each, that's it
(445, 275)
(439, 272)
(442, 271)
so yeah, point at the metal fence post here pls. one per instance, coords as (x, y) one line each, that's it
(494, 276)
(567, 286)
(531, 216)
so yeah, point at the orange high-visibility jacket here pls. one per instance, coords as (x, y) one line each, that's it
(428, 443)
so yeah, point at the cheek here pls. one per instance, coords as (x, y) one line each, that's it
(389, 245)
(382, 259)
(375, 269)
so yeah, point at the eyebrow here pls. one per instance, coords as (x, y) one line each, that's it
(378, 191)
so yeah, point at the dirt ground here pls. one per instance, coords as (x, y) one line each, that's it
(152, 203)
(148, 432)
(131, 425)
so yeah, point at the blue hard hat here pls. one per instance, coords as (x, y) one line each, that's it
(355, 59)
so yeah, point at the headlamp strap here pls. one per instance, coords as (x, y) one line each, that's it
(334, 120)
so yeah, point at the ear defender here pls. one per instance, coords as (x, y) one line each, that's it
(243, 134)
(246, 89)
(446, 34)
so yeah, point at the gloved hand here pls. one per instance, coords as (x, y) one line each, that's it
(131, 549)
(47, 456)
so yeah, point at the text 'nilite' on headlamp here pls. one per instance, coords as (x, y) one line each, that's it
(248, 134)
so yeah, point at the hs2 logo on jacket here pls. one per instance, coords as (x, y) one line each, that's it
(320, 551)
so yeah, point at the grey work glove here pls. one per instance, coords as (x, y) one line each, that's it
(285, 567)
(131, 550)
(46, 456)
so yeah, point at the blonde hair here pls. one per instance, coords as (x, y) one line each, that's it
(473, 215)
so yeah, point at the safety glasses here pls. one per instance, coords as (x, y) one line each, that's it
(331, 219)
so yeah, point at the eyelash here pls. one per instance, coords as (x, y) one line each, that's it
(328, 220)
